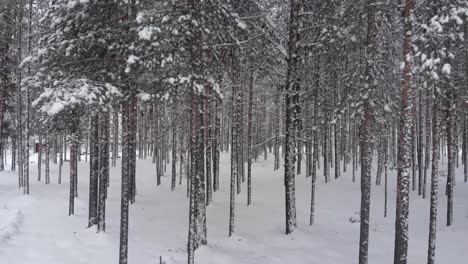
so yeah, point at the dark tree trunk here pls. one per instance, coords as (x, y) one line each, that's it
(125, 191)
(235, 138)
(208, 144)
(47, 159)
(103, 177)
(428, 140)
(216, 146)
(366, 137)
(74, 143)
(197, 209)
(174, 150)
(62, 142)
(94, 169)
(115, 137)
(451, 157)
(249, 141)
(132, 149)
(39, 157)
(292, 96)
(404, 146)
(434, 184)
(420, 145)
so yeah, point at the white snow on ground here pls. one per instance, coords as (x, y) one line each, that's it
(37, 229)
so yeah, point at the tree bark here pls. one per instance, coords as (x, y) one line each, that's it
(292, 94)
(434, 184)
(404, 146)
(94, 169)
(103, 176)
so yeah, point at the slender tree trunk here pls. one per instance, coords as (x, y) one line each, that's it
(337, 159)
(39, 157)
(197, 209)
(235, 138)
(434, 184)
(115, 137)
(451, 158)
(125, 191)
(208, 144)
(94, 169)
(20, 101)
(315, 147)
(47, 159)
(428, 140)
(216, 146)
(292, 95)
(132, 149)
(6, 39)
(404, 146)
(62, 142)
(249, 141)
(366, 137)
(74, 143)
(420, 145)
(174, 150)
(103, 170)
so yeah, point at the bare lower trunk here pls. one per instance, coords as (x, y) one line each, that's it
(434, 185)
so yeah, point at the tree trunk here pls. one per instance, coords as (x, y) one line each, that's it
(208, 144)
(451, 157)
(174, 149)
(366, 137)
(47, 159)
(125, 191)
(103, 177)
(74, 143)
(434, 184)
(428, 140)
(39, 157)
(404, 146)
(115, 137)
(197, 208)
(292, 95)
(94, 169)
(249, 141)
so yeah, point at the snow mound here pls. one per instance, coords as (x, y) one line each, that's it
(10, 222)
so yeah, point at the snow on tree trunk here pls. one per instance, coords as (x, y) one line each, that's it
(103, 176)
(74, 143)
(249, 141)
(434, 184)
(366, 136)
(39, 157)
(217, 143)
(292, 94)
(420, 149)
(125, 191)
(208, 143)
(197, 209)
(94, 169)
(235, 138)
(47, 159)
(452, 154)
(428, 140)
(115, 137)
(132, 149)
(404, 146)
(174, 150)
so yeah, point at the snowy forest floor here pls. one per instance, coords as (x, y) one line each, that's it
(36, 228)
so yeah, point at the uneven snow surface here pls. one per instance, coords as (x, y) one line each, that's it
(36, 228)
